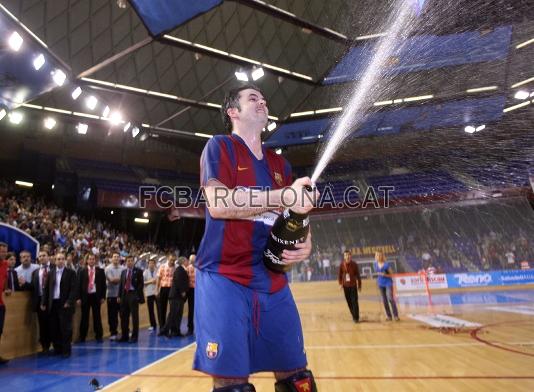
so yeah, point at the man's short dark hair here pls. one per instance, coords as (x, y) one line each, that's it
(231, 100)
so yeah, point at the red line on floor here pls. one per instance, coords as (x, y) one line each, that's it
(498, 345)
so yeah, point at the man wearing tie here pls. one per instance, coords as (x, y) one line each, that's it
(38, 283)
(12, 276)
(92, 289)
(130, 296)
(59, 299)
(177, 298)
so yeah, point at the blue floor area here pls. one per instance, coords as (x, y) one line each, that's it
(107, 362)
(472, 298)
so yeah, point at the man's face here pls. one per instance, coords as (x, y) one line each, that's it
(192, 259)
(3, 252)
(152, 265)
(253, 107)
(347, 256)
(11, 262)
(171, 260)
(115, 259)
(130, 262)
(60, 260)
(91, 261)
(25, 259)
(43, 258)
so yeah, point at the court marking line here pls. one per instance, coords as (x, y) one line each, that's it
(474, 335)
(528, 310)
(148, 366)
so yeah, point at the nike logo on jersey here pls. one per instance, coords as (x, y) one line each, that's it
(239, 168)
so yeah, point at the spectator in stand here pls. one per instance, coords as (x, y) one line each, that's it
(92, 289)
(163, 286)
(349, 279)
(130, 296)
(326, 268)
(385, 285)
(150, 278)
(191, 295)
(113, 278)
(59, 299)
(12, 277)
(38, 283)
(25, 270)
(3, 288)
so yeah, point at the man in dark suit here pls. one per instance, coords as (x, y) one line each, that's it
(12, 276)
(177, 298)
(59, 299)
(38, 284)
(92, 290)
(130, 296)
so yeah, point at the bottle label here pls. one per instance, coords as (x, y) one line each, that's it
(267, 218)
(286, 242)
(271, 256)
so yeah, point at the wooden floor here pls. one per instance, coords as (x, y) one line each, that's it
(376, 355)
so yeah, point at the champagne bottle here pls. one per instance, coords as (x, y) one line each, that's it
(290, 228)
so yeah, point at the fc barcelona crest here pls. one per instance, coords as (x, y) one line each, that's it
(212, 349)
(278, 178)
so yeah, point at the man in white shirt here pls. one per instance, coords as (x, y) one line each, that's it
(38, 284)
(25, 270)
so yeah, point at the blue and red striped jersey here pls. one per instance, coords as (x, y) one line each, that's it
(234, 247)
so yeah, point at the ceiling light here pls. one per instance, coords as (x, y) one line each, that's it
(521, 94)
(111, 212)
(135, 131)
(514, 107)
(15, 117)
(91, 102)
(200, 134)
(242, 76)
(15, 41)
(24, 183)
(481, 89)
(419, 98)
(116, 118)
(145, 214)
(127, 126)
(49, 123)
(257, 74)
(76, 93)
(2, 113)
(141, 220)
(82, 128)
(299, 114)
(523, 44)
(523, 82)
(106, 111)
(279, 151)
(470, 129)
(38, 62)
(480, 128)
(329, 110)
(382, 103)
(53, 186)
(59, 77)
(272, 126)
(143, 137)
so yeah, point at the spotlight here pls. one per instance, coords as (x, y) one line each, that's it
(257, 73)
(91, 102)
(15, 117)
(15, 41)
(2, 113)
(53, 186)
(145, 214)
(143, 137)
(111, 212)
(279, 151)
(24, 183)
(82, 128)
(127, 126)
(135, 131)
(116, 118)
(521, 94)
(49, 123)
(242, 76)
(470, 129)
(480, 128)
(38, 62)
(76, 93)
(272, 126)
(106, 111)
(59, 77)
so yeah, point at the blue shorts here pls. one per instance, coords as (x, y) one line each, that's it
(240, 331)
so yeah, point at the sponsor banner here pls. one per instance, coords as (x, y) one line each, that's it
(442, 321)
(474, 279)
(517, 277)
(416, 282)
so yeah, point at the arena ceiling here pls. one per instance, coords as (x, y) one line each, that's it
(108, 44)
